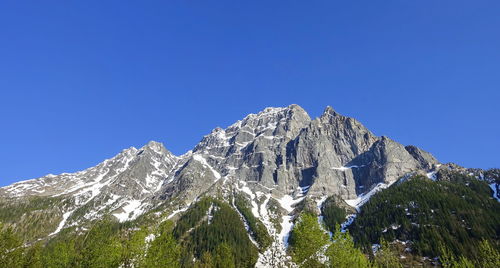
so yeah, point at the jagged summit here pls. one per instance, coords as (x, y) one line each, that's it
(280, 152)
(277, 147)
(154, 145)
(264, 169)
(329, 111)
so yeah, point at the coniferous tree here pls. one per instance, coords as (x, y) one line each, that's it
(307, 239)
(342, 253)
(224, 225)
(33, 257)
(61, 253)
(386, 256)
(446, 257)
(134, 250)
(463, 262)
(257, 228)
(489, 257)
(206, 261)
(101, 246)
(164, 250)
(11, 250)
(224, 257)
(458, 214)
(448, 260)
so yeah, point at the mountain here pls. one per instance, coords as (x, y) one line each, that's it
(267, 167)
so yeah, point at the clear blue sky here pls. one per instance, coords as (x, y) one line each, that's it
(79, 82)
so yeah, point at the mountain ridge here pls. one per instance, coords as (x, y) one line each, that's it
(278, 161)
(285, 138)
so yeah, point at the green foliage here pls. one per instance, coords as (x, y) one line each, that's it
(106, 244)
(192, 217)
(61, 253)
(134, 248)
(456, 214)
(222, 242)
(332, 214)
(463, 262)
(11, 209)
(446, 257)
(274, 208)
(206, 261)
(11, 250)
(387, 256)
(33, 257)
(448, 260)
(342, 252)
(306, 239)
(489, 257)
(201, 236)
(455, 220)
(109, 244)
(32, 217)
(257, 228)
(224, 257)
(164, 250)
(101, 247)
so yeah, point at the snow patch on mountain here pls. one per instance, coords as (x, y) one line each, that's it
(204, 162)
(347, 168)
(275, 255)
(363, 198)
(175, 212)
(130, 211)
(320, 201)
(287, 202)
(286, 228)
(432, 175)
(63, 222)
(349, 220)
(494, 187)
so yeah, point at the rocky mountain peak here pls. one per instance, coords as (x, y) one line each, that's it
(267, 167)
(329, 111)
(278, 152)
(154, 145)
(272, 115)
(156, 148)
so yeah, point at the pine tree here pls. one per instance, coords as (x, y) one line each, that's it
(225, 226)
(446, 257)
(206, 261)
(224, 257)
(134, 249)
(307, 238)
(164, 250)
(386, 257)
(60, 254)
(489, 257)
(448, 260)
(101, 246)
(342, 252)
(33, 257)
(11, 250)
(463, 262)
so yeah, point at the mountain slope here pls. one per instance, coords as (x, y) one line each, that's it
(266, 167)
(424, 215)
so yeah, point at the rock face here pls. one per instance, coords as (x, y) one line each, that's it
(284, 150)
(321, 153)
(386, 161)
(279, 151)
(426, 160)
